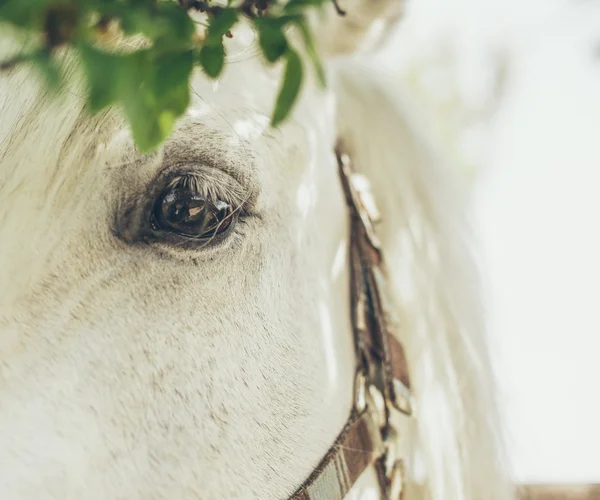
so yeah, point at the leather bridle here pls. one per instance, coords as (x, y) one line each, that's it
(382, 385)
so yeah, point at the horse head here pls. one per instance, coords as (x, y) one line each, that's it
(177, 324)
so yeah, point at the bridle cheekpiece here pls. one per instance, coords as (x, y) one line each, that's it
(382, 383)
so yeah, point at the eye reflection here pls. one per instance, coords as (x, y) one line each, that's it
(184, 211)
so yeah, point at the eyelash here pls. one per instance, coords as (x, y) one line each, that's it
(218, 187)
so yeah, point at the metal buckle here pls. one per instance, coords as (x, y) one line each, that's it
(396, 477)
(360, 392)
(362, 186)
(362, 200)
(393, 459)
(393, 463)
(379, 406)
(403, 399)
(368, 396)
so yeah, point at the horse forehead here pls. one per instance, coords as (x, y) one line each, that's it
(241, 103)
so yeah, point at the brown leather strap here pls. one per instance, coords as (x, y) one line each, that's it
(372, 313)
(381, 364)
(356, 448)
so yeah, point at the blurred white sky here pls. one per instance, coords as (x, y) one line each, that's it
(535, 142)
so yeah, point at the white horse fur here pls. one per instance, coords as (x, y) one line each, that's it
(150, 371)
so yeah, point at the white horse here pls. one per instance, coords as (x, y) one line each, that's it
(139, 362)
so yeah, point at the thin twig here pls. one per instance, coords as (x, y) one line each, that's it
(11, 63)
(338, 9)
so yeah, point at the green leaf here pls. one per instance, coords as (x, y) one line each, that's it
(175, 103)
(219, 25)
(152, 84)
(312, 51)
(49, 69)
(299, 4)
(271, 37)
(177, 26)
(153, 89)
(212, 54)
(25, 14)
(212, 59)
(148, 3)
(133, 20)
(138, 102)
(166, 23)
(146, 126)
(103, 71)
(150, 112)
(172, 70)
(171, 84)
(290, 88)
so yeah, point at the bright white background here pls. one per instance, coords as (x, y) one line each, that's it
(512, 91)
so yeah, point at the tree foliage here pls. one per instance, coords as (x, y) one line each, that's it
(151, 84)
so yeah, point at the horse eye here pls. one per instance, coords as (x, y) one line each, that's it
(182, 211)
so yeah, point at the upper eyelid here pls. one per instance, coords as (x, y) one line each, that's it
(221, 152)
(195, 143)
(209, 182)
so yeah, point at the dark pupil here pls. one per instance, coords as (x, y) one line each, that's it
(190, 214)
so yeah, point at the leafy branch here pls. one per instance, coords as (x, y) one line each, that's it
(151, 84)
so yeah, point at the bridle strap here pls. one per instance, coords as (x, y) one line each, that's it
(372, 318)
(356, 448)
(382, 382)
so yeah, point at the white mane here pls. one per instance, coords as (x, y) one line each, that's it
(436, 285)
